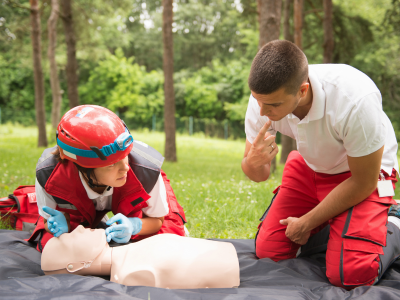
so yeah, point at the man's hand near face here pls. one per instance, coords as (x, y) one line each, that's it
(258, 156)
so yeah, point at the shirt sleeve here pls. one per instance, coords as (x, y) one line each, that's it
(157, 204)
(254, 122)
(363, 130)
(43, 199)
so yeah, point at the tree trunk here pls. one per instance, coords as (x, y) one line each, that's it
(287, 143)
(287, 32)
(298, 22)
(328, 32)
(54, 82)
(270, 20)
(72, 64)
(168, 66)
(38, 73)
(298, 40)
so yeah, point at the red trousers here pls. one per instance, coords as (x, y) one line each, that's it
(356, 235)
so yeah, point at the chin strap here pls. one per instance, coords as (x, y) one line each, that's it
(91, 183)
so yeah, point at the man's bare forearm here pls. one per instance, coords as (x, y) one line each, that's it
(258, 174)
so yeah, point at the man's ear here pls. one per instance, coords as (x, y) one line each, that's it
(304, 89)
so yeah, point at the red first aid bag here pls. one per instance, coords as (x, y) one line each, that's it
(19, 210)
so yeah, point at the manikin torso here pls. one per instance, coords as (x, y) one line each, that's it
(164, 260)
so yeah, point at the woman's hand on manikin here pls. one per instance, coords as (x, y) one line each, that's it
(57, 223)
(125, 228)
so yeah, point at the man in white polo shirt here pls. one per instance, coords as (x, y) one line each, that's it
(345, 143)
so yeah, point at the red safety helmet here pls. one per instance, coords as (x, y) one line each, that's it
(93, 136)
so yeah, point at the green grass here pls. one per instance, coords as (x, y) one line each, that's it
(219, 201)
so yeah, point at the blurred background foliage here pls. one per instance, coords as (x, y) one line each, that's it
(119, 51)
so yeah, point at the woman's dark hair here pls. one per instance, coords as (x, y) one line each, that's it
(278, 64)
(86, 172)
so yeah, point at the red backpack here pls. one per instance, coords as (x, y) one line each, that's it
(19, 210)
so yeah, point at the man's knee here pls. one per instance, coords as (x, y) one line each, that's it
(352, 263)
(294, 155)
(273, 250)
(349, 277)
(274, 247)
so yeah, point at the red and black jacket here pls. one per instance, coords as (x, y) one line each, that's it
(62, 182)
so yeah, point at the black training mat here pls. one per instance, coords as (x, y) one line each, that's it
(300, 278)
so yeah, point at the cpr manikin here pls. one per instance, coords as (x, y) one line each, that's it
(164, 260)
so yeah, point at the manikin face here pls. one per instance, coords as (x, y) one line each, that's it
(81, 245)
(114, 175)
(77, 235)
(279, 104)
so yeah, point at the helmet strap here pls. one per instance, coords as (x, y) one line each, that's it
(91, 184)
(90, 180)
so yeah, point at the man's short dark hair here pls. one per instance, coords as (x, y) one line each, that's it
(278, 64)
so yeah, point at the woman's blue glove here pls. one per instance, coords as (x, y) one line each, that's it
(57, 223)
(126, 227)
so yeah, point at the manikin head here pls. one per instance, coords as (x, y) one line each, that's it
(278, 79)
(83, 251)
(98, 142)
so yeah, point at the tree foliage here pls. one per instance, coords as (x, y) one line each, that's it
(119, 51)
(125, 87)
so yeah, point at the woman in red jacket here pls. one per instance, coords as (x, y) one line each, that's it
(98, 167)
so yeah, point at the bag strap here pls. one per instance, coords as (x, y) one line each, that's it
(11, 196)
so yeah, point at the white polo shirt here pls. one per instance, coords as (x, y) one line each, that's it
(346, 118)
(157, 204)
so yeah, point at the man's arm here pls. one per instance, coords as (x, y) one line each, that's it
(257, 158)
(364, 177)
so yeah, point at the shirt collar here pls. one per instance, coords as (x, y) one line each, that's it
(92, 194)
(317, 110)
